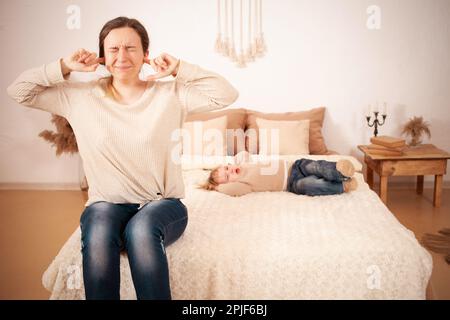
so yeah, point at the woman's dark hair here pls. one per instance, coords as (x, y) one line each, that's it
(121, 22)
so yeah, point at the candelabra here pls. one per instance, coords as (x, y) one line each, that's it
(376, 122)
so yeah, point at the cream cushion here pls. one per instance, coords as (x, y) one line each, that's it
(206, 138)
(283, 137)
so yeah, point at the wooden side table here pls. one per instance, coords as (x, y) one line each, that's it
(418, 161)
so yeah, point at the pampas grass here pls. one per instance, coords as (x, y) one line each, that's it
(63, 139)
(415, 128)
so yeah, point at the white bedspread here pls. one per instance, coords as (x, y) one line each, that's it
(276, 245)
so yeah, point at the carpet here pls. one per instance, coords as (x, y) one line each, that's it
(439, 243)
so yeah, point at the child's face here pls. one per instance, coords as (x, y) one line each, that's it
(228, 173)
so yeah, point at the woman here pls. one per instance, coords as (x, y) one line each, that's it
(123, 127)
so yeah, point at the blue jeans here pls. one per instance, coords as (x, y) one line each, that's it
(108, 228)
(315, 178)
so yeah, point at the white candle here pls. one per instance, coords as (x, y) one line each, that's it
(384, 109)
(369, 111)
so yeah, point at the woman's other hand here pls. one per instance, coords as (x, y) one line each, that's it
(81, 61)
(165, 65)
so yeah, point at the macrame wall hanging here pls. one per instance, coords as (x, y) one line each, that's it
(239, 31)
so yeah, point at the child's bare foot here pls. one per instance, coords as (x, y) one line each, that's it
(345, 167)
(350, 185)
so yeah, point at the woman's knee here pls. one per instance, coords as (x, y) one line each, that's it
(157, 221)
(96, 212)
(142, 226)
(100, 226)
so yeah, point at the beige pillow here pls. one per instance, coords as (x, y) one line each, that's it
(316, 116)
(206, 138)
(283, 137)
(235, 123)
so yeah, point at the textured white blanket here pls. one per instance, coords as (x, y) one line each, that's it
(276, 245)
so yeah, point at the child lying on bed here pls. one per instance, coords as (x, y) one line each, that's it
(304, 176)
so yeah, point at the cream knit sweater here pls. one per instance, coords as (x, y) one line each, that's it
(127, 150)
(257, 176)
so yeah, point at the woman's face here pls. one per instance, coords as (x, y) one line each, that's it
(124, 55)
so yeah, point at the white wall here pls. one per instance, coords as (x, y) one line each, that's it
(320, 52)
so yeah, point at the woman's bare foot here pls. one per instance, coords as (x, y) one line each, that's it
(345, 167)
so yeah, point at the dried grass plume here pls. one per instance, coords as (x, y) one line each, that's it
(63, 139)
(415, 128)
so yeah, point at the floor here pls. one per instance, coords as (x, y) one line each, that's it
(416, 212)
(33, 228)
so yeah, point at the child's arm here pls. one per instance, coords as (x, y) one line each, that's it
(234, 189)
(241, 157)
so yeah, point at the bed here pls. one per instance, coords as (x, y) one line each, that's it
(275, 245)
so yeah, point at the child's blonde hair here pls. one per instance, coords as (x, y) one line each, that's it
(211, 183)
